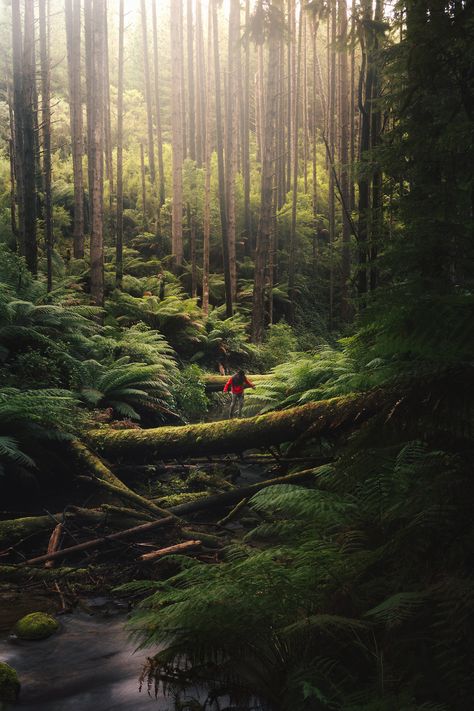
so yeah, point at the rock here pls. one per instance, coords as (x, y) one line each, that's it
(36, 625)
(9, 683)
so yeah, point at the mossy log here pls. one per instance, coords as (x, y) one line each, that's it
(239, 435)
(215, 383)
(102, 475)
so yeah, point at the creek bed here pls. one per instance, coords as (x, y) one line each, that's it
(89, 665)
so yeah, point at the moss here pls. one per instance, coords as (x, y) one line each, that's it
(36, 625)
(176, 499)
(212, 481)
(9, 683)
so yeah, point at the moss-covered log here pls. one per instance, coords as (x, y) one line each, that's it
(239, 435)
(215, 383)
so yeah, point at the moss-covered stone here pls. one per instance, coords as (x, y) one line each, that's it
(36, 625)
(9, 683)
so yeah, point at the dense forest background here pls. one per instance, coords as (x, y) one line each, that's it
(187, 188)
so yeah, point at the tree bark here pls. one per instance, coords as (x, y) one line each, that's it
(177, 130)
(147, 86)
(265, 223)
(346, 310)
(233, 60)
(73, 37)
(17, 61)
(97, 117)
(29, 138)
(119, 216)
(191, 87)
(220, 163)
(159, 136)
(207, 179)
(46, 131)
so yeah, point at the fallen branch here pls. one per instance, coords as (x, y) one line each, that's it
(177, 548)
(144, 527)
(54, 543)
(126, 494)
(232, 514)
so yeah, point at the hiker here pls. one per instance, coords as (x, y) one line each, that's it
(237, 384)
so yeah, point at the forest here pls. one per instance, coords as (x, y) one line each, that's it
(236, 355)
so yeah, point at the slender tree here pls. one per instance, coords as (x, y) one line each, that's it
(231, 137)
(46, 135)
(119, 216)
(344, 113)
(29, 137)
(331, 155)
(177, 131)
(264, 231)
(18, 119)
(97, 129)
(207, 183)
(191, 87)
(148, 101)
(246, 130)
(200, 99)
(109, 168)
(294, 200)
(159, 137)
(220, 162)
(73, 38)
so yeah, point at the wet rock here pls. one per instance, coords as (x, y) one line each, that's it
(9, 683)
(36, 625)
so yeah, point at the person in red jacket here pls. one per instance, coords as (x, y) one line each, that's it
(237, 384)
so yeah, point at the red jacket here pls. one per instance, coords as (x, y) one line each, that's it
(237, 389)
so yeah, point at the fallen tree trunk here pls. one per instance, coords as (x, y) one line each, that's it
(177, 548)
(238, 435)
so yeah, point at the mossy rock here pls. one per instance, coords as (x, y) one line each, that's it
(9, 683)
(36, 625)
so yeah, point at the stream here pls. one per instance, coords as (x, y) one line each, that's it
(89, 665)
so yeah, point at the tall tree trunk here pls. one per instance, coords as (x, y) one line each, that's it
(147, 84)
(159, 137)
(73, 36)
(344, 161)
(17, 57)
(366, 78)
(200, 88)
(143, 184)
(290, 78)
(119, 217)
(29, 138)
(220, 162)
(97, 116)
(207, 183)
(245, 129)
(88, 38)
(231, 142)
(191, 92)
(109, 168)
(314, 137)
(177, 130)
(46, 131)
(305, 105)
(376, 127)
(264, 231)
(331, 157)
(294, 201)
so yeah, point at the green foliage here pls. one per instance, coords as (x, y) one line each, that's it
(128, 389)
(31, 419)
(280, 342)
(190, 393)
(346, 580)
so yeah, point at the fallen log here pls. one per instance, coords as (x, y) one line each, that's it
(177, 548)
(215, 383)
(126, 494)
(17, 574)
(239, 435)
(143, 528)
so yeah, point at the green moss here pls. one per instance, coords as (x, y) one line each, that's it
(175, 499)
(36, 625)
(9, 683)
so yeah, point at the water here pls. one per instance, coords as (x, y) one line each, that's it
(89, 665)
